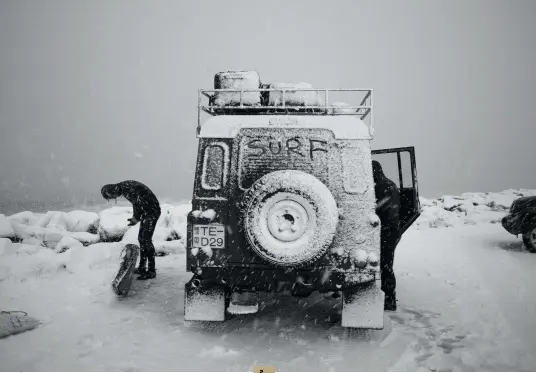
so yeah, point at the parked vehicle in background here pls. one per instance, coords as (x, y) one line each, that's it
(522, 220)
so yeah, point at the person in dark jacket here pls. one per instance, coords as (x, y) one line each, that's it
(146, 211)
(387, 208)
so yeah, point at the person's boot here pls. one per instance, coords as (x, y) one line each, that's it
(141, 268)
(147, 275)
(390, 302)
(140, 271)
(150, 273)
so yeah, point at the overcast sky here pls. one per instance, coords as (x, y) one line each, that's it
(95, 92)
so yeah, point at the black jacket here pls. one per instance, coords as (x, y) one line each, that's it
(388, 205)
(144, 202)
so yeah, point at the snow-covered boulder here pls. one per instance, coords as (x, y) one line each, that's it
(527, 192)
(436, 217)
(6, 229)
(67, 243)
(33, 241)
(82, 260)
(468, 208)
(73, 221)
(51, 236)
(174, 217)
(53, 219)
(425, 202)
(481, 215)
(169, 247)
(113, 223)
(4, 244)
(178, 217)
(82, 221)
(21, 261)
(502, 202)
(25, 217)
(450, 203)
(165, 215)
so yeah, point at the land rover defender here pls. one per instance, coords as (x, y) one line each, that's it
(284, 200)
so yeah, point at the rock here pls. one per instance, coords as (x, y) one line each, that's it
(6, 229)
(113, 223)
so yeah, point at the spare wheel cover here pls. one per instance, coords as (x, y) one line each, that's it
(290, 217)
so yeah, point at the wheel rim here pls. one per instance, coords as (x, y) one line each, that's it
(287, 220)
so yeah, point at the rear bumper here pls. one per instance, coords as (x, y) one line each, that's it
(276, 280)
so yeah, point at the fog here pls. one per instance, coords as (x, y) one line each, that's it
(96, 92)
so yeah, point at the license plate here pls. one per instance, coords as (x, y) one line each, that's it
(209, 235)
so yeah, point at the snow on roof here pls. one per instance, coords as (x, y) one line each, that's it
(343, 127)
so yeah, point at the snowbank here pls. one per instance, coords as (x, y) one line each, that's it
(51, 236)
(73, 221)
(468, 208)
(21, 262)
(25, 217)
(4, 244)
(6, 230)
(62, 231)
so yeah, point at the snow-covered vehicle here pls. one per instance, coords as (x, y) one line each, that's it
(284, 200)
(522, 220)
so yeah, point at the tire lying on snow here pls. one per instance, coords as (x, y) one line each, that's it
(290, 217)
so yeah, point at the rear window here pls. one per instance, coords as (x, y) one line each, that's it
(215, 161)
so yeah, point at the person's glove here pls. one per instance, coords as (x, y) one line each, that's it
(132, 221)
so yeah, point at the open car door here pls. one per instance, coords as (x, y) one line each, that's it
(399, 165)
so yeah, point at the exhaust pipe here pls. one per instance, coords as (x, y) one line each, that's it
(196, 283)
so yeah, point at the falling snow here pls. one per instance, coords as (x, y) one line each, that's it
(444, 277)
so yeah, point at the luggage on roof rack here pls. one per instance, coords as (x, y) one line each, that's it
(281, 106)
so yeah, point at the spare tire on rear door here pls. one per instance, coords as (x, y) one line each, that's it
(290, 217)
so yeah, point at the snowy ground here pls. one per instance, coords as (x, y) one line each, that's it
(464, 287)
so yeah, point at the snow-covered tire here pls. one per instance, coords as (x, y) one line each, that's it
(290, 217)
(529, 239)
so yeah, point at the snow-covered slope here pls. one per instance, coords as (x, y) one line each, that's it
(466, 301)
(468, 209)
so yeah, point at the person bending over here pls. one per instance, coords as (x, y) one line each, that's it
(146, 211)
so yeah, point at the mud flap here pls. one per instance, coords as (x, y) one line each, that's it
(204, 304)
(122, 282)
(362, 306)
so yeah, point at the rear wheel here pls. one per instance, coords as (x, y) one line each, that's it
(529, 239)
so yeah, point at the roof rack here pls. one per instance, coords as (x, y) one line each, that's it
(238, 107)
